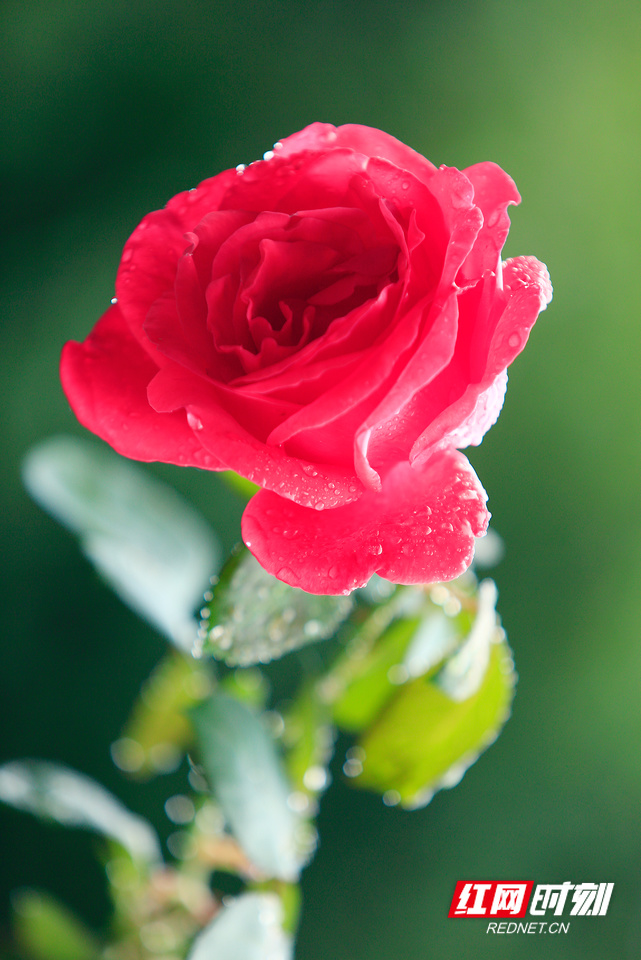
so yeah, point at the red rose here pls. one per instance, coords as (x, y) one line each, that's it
(331, 322)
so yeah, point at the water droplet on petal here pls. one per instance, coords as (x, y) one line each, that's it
(333, 572)
(319, 505)
(194, 422)
(114, 300)
(240, 169)
(514, 340)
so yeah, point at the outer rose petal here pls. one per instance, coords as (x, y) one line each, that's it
(366, 140)
(419, 529)
(494, 191)
(105, 379)
(465, 422)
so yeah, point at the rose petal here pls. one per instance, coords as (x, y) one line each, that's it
(148, 264)
(379, 439)
(419, 529)
(398, 433)
(312, 484)
(494, 192)
(465, 422)
(366, 140)
(105, 380)
(362, 385)
(313, 180)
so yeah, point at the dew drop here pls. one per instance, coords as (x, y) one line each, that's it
(493, 219)
(319, 505)
(114, 300)
(514, 340)
(352, 768)
(315, 778)
(405, 185)
(268, 155)
(391, 798)
(298, 801)
(333, 572)
(240, 169)
(127, 754)
(194, 422)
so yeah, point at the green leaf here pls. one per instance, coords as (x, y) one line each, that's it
(158, 731)
(249, 784)
(240, 485)
(152, 547)
(54, 792)
(309, 739)
(47, 930)
(436, 725)
(249, 928)
(366, 695)
(249, 685)
(255, 618)
(406, 637)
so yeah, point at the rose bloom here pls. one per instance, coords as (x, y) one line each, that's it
(332, 322)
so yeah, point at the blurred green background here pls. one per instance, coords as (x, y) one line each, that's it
(109, 109)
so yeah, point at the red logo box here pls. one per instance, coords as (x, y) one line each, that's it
(503, 899)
